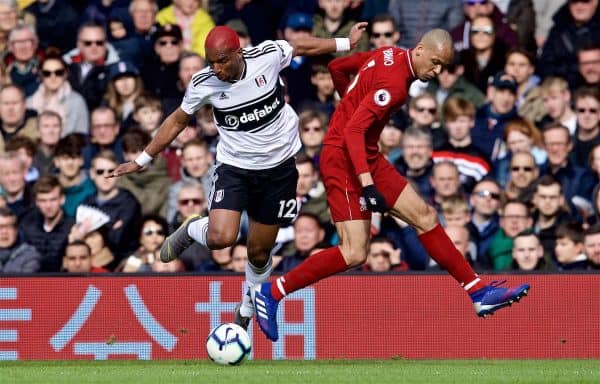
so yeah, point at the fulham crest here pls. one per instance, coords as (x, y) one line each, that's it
(382, 97)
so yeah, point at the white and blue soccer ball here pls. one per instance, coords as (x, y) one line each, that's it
(228, 344)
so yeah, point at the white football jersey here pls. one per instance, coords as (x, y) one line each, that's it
(257, 129)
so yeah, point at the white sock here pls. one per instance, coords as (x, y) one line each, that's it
(197, 230)
(254, 275)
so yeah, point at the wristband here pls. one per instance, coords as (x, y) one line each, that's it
(143, 159)
(342, 44)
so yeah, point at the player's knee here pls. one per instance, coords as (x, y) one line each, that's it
(258, 256)
(355, 257)
(219, 239)
(427, 219)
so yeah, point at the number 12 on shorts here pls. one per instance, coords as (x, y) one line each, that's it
(287, 209)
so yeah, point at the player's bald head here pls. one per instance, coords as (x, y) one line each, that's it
(437, 40)
(222, 38)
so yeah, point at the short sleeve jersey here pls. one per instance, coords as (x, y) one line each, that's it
(257, 129)
(380, 87)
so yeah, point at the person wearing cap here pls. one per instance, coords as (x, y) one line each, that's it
(195, 23)
(491, 118)
(242, 31)
(56, 94)
(124, 87)
(161, 72)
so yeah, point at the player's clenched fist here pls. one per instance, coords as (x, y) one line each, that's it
(374, 199)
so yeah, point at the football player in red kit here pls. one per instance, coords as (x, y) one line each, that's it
(359, 180)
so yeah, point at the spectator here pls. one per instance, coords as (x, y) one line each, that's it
(558, 144)
(15, 256)
(143, 13)
(191, 200)
(308, 234)
(557, 101)
(335, 21)
(76, 184)
(310, 191)
(383, 256)
(514, 218)
(121, 35)
(423, 113)
(173, 266)
(587, 134)
(544, 12)
(298, 25)
(520, 64)
(241, 29)
(474, 8)
(459, 118)
(575, 24)
(492, 118)
(313, 125)
(105, 129)
(455, 212)
(239, 257)
(445, 181)
(161, 72)
(56, 94)
(46, 227)
(102, 256)
(147, 113)
(88, 63)
(323, 97)
(124, 87)
(484, 223)
(550, 210)
(56, 23)
(189, 64)
(416, 162)
(414, 19)
(591, 243)
(570, 248)
(486, 55)
(15, 190)
(383, 31)
(451, 82)
(151, 187)
(588, 61)
(50, 127)
(195, 23)
(99, 11)
(119, 204)
(390, 141)
(78, 259)
(196, 164)
(527, 252)
(523, 172)
(15, 118)
(519, 136)
(23, 58)
(151, 236)
(11, 16)
(460, 238)
(24, 147)
(521, 17)
(220, 261)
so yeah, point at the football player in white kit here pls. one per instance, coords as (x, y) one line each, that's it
(255, 168)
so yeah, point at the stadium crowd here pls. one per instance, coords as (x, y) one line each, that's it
(504, 143)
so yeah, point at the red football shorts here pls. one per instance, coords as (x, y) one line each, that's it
(344, 189)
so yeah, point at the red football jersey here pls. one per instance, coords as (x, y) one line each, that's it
(380, 86)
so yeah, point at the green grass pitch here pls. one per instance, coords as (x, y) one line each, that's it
(311, 372)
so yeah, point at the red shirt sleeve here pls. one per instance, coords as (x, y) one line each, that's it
(343, 68)
(375, 106)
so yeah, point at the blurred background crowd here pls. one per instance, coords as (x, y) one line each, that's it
(504, 143)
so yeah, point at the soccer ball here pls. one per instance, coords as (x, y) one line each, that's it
(228, 344)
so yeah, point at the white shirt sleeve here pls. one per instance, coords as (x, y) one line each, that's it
(285, 51)
(195, 97)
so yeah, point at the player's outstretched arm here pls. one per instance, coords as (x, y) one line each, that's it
(169, 129)
(313, 46)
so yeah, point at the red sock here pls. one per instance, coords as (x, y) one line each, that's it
(441, 249)
(322, 264)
